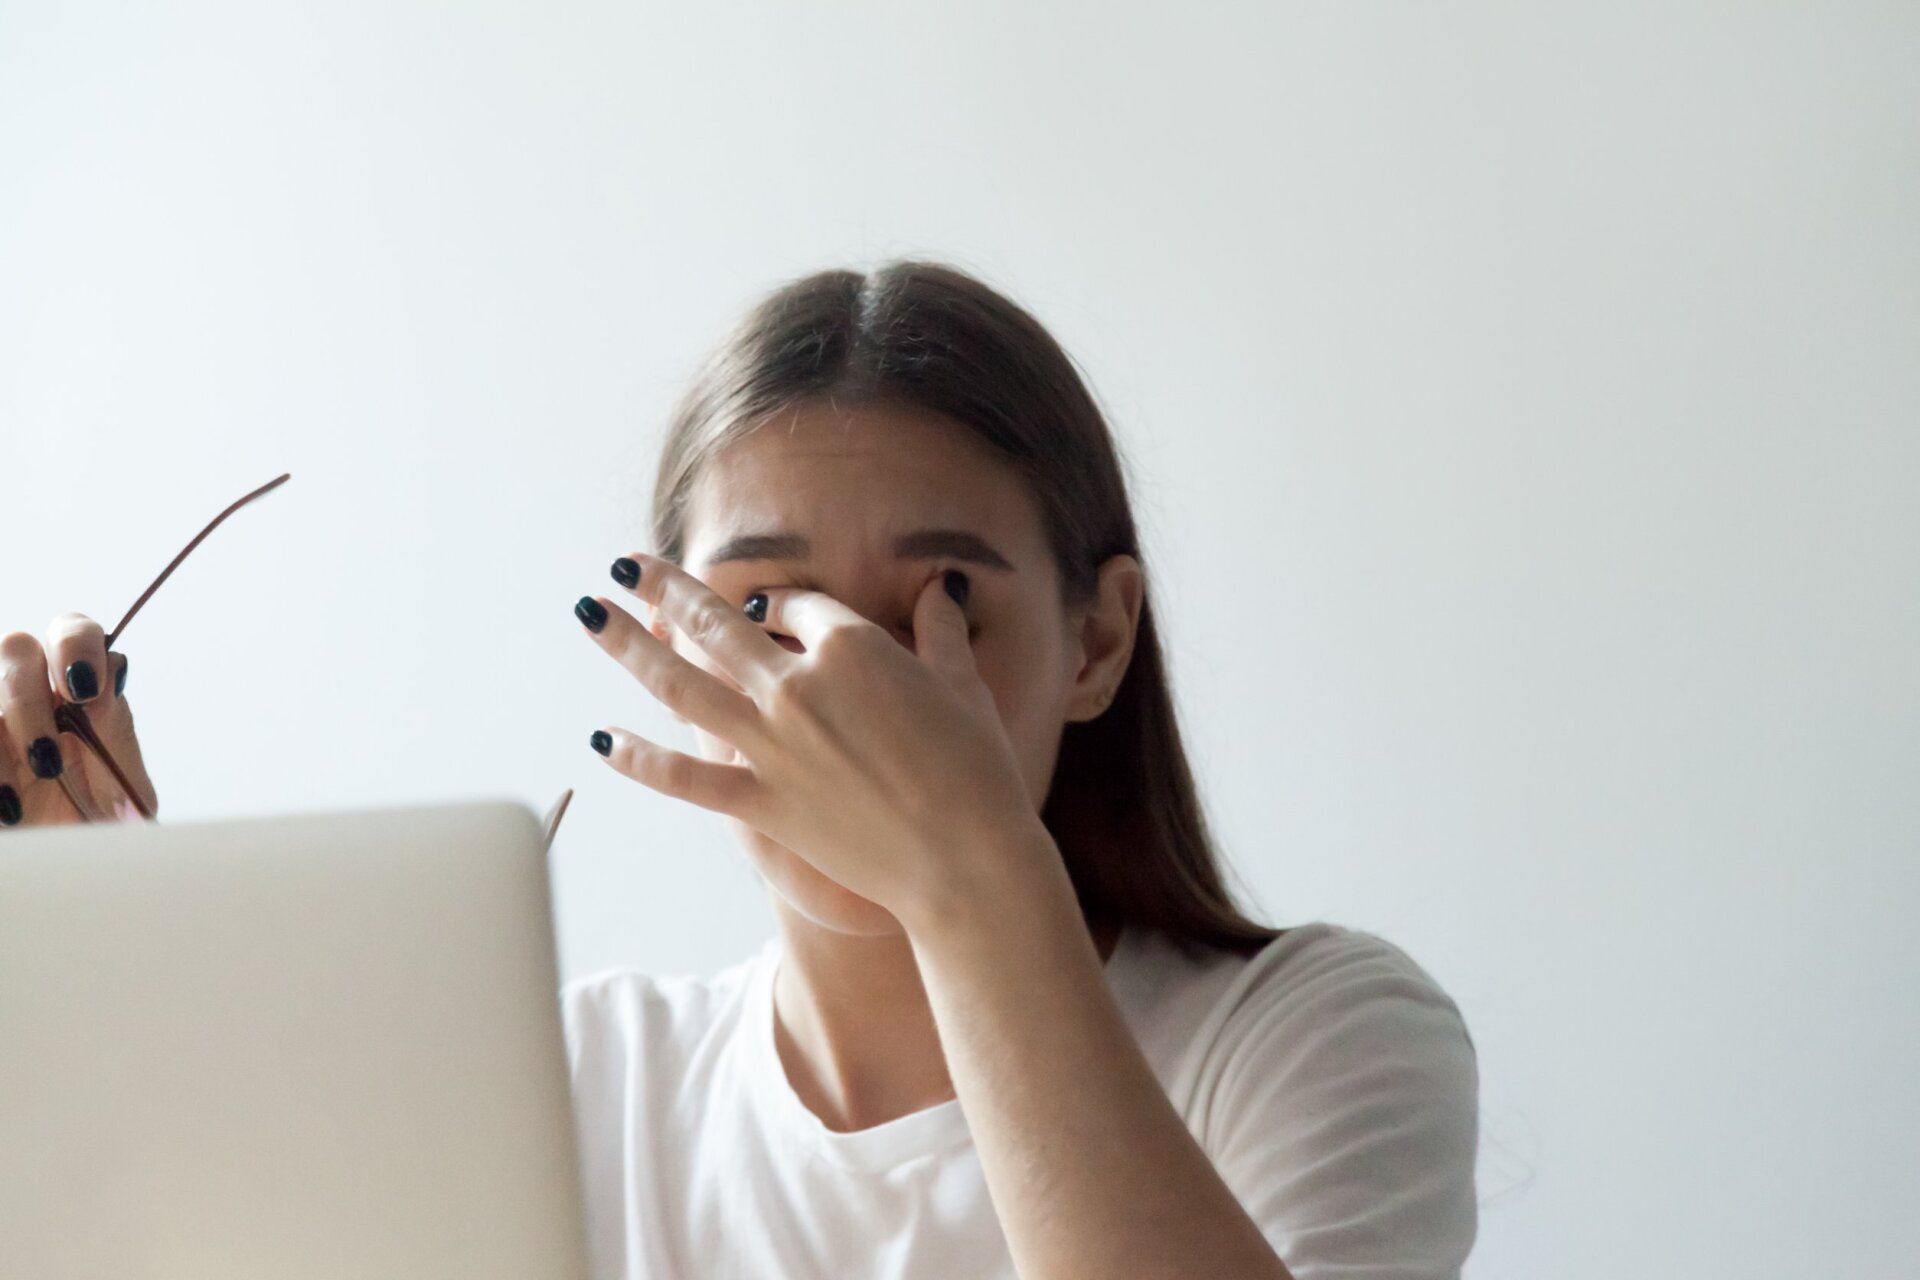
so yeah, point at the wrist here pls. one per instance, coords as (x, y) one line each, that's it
(988, 879)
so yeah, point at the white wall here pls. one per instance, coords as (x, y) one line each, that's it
(1521, 401)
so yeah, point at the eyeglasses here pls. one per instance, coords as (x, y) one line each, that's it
(71, 717)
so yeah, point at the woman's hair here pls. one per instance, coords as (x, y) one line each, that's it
(1122, 806)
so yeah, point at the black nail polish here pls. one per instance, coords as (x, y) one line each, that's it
(591, 612)
(601, 741)
(757, 606)
(9, 806)
(44, 756)
(957, 586)
(626, 572)
(81, 681)
(120, 679)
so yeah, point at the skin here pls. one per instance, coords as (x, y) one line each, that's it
(854, 1025)
(33, 682)
(934, 946)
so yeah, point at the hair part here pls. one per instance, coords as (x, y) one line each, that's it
(1122, 805)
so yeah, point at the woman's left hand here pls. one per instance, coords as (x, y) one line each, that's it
(887, 769)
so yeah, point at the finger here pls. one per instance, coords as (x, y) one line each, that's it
(77, 651)
(709, 620)
(658, 628)
(26, 703)
(12, 808)
(26, 799)
(685, 689)
(77, 783)
(723, 788)
(626, 572)
(807, 616)
(112, 719)
(940, 624)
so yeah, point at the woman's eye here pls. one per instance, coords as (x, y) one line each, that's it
(906, 629)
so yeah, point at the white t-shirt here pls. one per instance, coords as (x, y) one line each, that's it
(1330, 1079)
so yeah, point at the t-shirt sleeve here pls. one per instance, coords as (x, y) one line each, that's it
(1347, 1115)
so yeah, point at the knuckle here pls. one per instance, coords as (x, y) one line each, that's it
(676, 775)
(704, 623)
(844, 641)
(672, 685)
(629, 652)
(788, 692)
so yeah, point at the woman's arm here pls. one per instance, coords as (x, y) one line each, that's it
(1091, 1170)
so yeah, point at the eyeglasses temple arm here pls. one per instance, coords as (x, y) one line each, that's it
(72, 717)
(175, 562)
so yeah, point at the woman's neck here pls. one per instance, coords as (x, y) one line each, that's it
(853, 1027)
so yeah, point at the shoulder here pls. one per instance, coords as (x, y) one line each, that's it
(617, 1014)
(1312, 982)
(1320, 975)
(1339, 1094)
(1331, 1007)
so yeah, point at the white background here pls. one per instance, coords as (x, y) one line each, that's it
(1521, 403)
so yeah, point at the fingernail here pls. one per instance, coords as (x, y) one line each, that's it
(44, 756)
(601, 741)
(120, 680)
(9, 806)
(81, 681)
(957, 586)
(591, 612)
(757, 606)
(626, 572)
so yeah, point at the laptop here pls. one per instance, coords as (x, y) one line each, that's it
(306, 1046)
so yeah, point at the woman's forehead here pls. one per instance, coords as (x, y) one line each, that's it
(830, 442)
(859, 489)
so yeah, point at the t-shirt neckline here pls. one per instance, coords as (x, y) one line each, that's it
(926, 1132)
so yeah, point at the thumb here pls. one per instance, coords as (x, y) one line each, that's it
(940, 625)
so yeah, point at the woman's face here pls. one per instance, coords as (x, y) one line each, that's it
(843, 484)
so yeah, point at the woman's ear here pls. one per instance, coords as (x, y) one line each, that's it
(1106, 634)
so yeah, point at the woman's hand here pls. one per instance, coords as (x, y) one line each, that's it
(36, 756)
(885, 768)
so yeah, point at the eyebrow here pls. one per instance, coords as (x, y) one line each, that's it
(921, 544)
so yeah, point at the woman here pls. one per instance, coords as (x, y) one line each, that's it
(1011, 1021)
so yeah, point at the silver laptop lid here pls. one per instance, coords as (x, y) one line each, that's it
(317, 1045)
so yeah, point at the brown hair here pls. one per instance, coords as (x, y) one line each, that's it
(1122, 806)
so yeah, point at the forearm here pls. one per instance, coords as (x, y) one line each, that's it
(1091, 1171)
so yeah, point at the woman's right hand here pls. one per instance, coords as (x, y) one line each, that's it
(73, 666)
